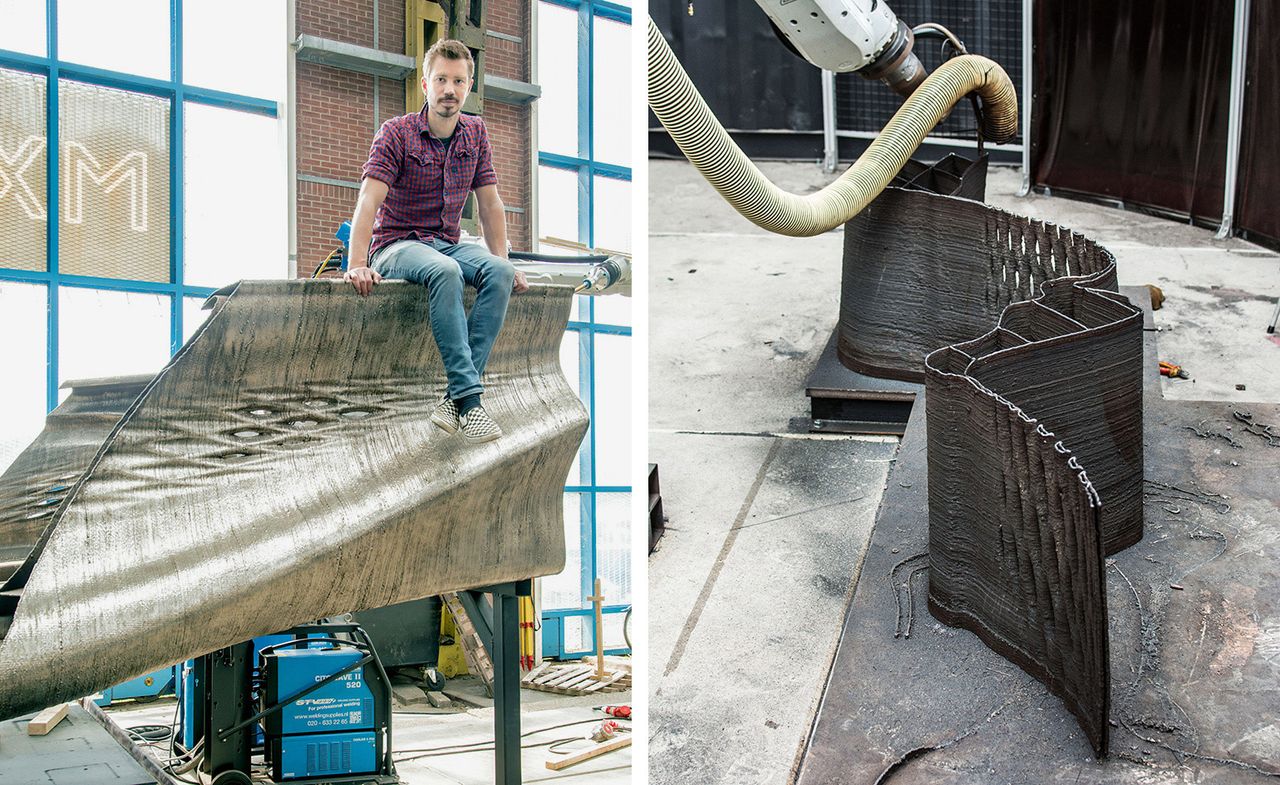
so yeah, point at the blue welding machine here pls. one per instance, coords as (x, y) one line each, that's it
(336, 729)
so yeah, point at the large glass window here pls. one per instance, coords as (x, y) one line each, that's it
(23, 323)
(23, 29)
(130, 38)
(259, 63)
(114, 146)
(584, 185)
(558, 72)
(106, 333)
(133, 189)
(24, 169)
(234, 204)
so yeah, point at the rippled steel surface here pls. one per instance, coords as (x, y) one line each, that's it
(1019, 420)
(1034, 427)
(44, 473)
(923, 271)
(282, 468)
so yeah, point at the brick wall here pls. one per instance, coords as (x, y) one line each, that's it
(336, 122)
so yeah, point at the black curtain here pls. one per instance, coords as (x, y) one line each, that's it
(1131, 101)
(1259, 184)
(748, 78)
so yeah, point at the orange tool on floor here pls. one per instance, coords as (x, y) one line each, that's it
(1173, 371)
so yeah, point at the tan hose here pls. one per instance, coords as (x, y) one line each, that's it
(707, 145)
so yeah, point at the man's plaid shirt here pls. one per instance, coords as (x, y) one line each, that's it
(427, 184)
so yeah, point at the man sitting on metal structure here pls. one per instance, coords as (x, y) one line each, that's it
(420, 170)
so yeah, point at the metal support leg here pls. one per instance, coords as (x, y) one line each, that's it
(506, 682)
(1275, 319)
(226, 703)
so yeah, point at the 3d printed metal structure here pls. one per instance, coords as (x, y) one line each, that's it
(280, 469)
(1018, 529)
(37, 481)
(960, 265)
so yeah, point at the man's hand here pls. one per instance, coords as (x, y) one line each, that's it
(363, 278)
(520, 284)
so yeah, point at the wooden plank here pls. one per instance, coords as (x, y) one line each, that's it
(556, 690)
(597, 600)
(566, 675)
(579, 681)
(600, 685)
(536, 673)
(473, 650)
(572, 760)
(562, 671)
(46, 720)
(611, 663)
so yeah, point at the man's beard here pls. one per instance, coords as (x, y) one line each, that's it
(445, 110)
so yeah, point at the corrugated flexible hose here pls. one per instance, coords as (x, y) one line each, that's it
(708, 146)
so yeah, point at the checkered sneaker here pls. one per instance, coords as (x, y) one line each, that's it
(446, 416)
(478, 426)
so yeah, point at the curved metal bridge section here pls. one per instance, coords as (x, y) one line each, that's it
(280, 469)
(1034, 426)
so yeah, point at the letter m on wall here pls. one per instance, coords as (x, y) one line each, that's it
(85, 171)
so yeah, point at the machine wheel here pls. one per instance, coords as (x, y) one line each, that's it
(232, 777)
(434, 679)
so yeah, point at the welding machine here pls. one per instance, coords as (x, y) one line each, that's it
(336, 729)
(316, 706)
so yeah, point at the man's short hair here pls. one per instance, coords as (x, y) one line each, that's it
(450, 50)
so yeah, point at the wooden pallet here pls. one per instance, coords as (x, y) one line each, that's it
(578, 678)
(473, 650)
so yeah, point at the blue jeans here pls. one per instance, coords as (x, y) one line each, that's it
(443, 268)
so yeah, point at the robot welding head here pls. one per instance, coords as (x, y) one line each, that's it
(845, 36)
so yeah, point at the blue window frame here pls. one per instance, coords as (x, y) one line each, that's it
(175, 95)
(592, 330)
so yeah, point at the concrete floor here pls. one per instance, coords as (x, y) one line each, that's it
(768, 525)
(414, 732)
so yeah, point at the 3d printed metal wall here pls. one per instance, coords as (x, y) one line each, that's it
(280, 469)
(1016, 414)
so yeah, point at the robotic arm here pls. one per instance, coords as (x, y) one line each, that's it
(839, 35)
(849, 35)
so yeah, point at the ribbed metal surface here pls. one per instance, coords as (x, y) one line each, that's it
(1035, 473)
(115, 183)
(1034, 427)
(968, 266)
(23, 171)
(959, 261)
(44, 473)
(992, 29)
(282, 468)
